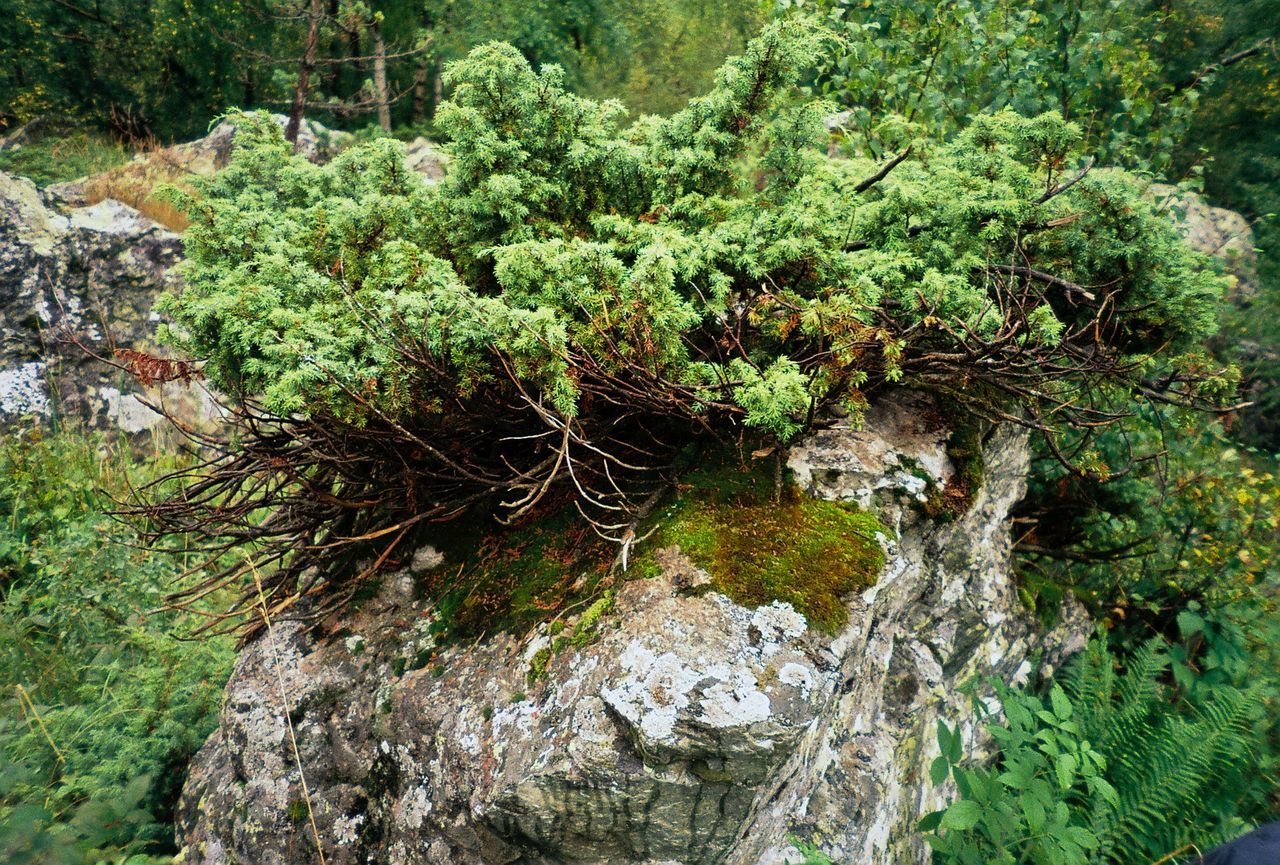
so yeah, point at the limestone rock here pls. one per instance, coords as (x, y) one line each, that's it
(1216, 231)
(88, 275)
(890, 463)
(692, 731)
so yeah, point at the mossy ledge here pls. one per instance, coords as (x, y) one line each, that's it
(510, 579)
(964, 448)
(808, 552)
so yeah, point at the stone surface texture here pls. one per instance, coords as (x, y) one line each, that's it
(690, 729)
(1216, 231)
(75, 283)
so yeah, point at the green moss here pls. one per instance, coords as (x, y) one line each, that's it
(808, 552)
(538, 666)
(297, 810)
(586, 629)
(512, 578)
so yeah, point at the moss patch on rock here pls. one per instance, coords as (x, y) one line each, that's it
(808, 552)
(509, 579)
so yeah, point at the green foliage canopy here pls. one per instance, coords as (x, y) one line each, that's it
(563, 251)
(1131, 72)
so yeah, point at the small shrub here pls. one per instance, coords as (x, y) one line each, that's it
(1112, 768)
(577, 300)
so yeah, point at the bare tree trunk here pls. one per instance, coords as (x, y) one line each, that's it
(380, 76)
(420, 73)
(305, 69)
(437, 90)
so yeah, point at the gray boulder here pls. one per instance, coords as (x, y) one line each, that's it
(426, 158)
(75, 284)
(692, 730)
(1216, 231)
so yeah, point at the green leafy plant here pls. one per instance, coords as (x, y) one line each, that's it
(920, 67)
(101, 704)
(578, 299)
(1112, 768)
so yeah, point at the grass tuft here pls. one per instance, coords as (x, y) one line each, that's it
(59, 158)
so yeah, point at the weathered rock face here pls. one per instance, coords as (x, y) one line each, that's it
(1216, 231)
(88, 275)
(426, 158)
(690, 730)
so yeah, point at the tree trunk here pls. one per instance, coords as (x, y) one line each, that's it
(420, 73)
(333, 72)
(437, 90)
(250, 89)
(305, 68)
(380, 77)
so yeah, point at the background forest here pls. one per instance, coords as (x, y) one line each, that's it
(1163, 738)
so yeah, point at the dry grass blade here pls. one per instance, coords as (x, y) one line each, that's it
(288, 711)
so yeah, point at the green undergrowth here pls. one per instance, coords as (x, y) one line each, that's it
(59, 158)
(512, 578)
(807, 552)
(102, 699)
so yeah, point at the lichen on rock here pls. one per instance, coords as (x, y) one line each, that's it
(686, 727)
(74, 285)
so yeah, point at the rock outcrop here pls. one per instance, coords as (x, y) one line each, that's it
(79, 271)
(74, 284)
(1216, 231)
(426, 158)
(689, 730)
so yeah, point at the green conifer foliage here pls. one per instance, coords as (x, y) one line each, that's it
(579, 296)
